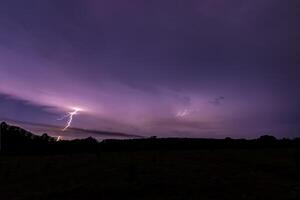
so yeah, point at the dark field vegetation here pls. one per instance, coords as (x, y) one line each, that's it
(196, 174)
(37, 168)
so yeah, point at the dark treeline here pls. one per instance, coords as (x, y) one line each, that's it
(17, 140)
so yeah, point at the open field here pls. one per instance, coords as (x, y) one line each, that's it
(195, 174)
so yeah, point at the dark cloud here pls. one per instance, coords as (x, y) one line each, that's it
(184, 100)
(217, 101)
(173, 124)
(72, 132)
(135, 61)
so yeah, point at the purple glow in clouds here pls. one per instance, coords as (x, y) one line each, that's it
(151, 68)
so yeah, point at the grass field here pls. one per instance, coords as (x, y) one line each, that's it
(265, 174)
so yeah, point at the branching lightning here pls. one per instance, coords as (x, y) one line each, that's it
(70, 118)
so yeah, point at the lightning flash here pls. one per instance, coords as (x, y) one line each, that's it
(70, 116)
(183, 113)
(58, 138)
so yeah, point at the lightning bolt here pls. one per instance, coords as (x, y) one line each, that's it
(58, 138)
(70, 116)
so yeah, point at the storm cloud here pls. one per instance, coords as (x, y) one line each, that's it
(133, 66)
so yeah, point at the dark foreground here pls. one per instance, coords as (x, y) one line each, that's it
(192, 174)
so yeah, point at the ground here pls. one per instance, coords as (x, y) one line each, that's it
(202, 174)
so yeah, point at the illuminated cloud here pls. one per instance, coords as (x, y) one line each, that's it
(151, 68)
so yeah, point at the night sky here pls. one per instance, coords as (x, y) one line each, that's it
(170, 68)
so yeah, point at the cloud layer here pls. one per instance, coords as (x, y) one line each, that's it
(152, 68)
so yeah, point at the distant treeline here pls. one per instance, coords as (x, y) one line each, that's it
(17, 140)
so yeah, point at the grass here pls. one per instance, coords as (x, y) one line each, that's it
(202, 174)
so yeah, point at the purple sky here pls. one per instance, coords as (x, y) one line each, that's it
(185, 68)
